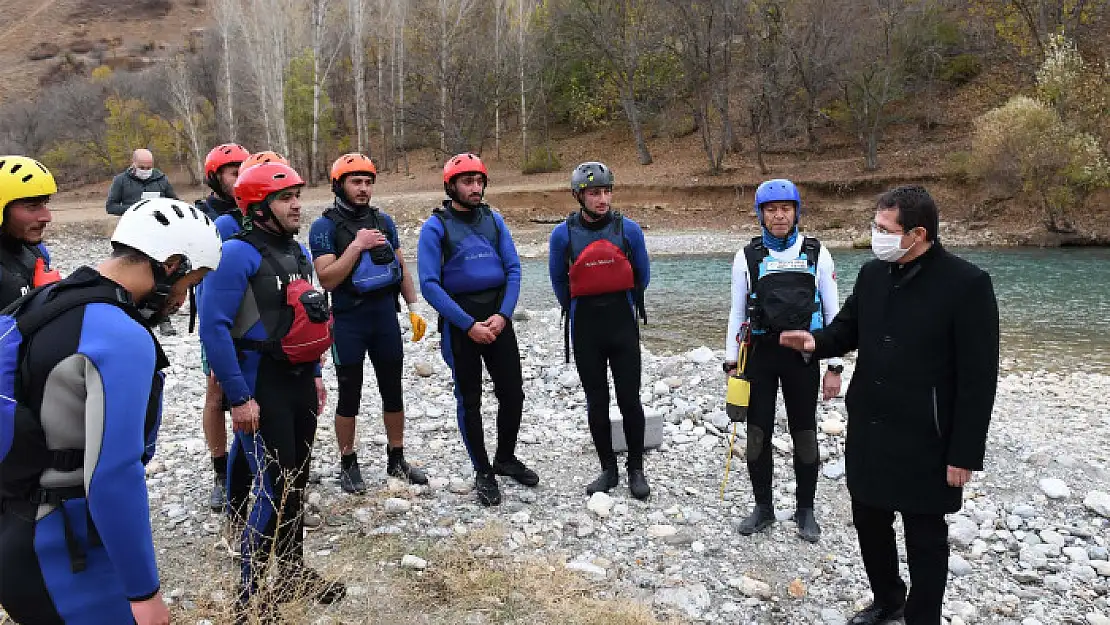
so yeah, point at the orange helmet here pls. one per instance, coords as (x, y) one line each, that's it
(353, 163)
(259, 182)
(465, 163)
(265, 156)
(224, 154)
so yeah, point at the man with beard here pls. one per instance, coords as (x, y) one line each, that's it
(470, 273)
(357, 255)
(25, 190)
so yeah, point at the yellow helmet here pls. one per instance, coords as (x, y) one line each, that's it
(22, 177)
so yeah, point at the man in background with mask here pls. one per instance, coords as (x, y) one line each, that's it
(925, 324)
(140, 181)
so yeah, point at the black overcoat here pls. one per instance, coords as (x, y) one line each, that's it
(923, 389)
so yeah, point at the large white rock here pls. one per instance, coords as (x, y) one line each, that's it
(414, 563)
(700, 355)
(1098, 502)
(600, 504)
(833, 427)
(1054, 488)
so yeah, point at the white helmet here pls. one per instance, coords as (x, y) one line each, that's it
(162, 228)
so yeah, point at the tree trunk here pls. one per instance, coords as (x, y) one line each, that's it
(443, 52)
(632, 112)
(358, 54)
(229, 102)
(401, 79)
(523, 98)
(499, 7)
(756, 113)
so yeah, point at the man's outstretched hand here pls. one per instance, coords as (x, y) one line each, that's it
(799, 340)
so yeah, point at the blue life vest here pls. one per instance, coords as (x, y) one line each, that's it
(783, 294)
(471, 256)
(377, 269)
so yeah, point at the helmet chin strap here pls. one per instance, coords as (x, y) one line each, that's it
(217, 188)
(152, 307)
(269, 218)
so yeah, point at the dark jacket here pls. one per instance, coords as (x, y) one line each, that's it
(127, 189)
(925, 379)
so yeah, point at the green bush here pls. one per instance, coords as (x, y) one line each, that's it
(961, 69)
(541, 160)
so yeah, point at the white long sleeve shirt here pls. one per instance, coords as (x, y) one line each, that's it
(741, 286)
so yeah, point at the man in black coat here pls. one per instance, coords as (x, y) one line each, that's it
(925, 324)
(140, 181)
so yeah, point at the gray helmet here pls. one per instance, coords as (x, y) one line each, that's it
(591, 174)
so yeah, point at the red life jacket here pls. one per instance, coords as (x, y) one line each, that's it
(44, 276)
(599, 262)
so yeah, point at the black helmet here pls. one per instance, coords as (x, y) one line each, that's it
(591, 174)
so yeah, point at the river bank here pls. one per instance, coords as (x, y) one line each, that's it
(1029, 547)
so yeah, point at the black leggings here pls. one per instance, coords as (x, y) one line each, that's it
(768, 364)
(388, 375)
(281, 449)
(605, 335)
(502, 358)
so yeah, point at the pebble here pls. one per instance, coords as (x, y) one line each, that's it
(1097, 618)
(1098, 502)
(833, 617)
(424, 369)
(396, 506)
(412, 562)
(586, 567)
(661, 531)
(1054, 488)
(460, 487)
(600, 504)
(958, 566)
(833, 427)
(692, 600)
(751, 587)
(1024, 511)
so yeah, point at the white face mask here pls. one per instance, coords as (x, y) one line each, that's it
(143, 174)
(887, 247)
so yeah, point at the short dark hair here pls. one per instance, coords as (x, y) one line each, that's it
(128, 254)
(916, 209)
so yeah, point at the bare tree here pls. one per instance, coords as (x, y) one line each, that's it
(320, 70)
(356, 10)
(703, 43)
(181, 98)
(618, 33)
(451, 16)
(265, 29)
(814, 34)
(884, 38)
(226, 14)
(524, 15)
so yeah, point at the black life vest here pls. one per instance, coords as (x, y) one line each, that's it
(783, 294)
(24, 451)
(22, 268)
(294, 314)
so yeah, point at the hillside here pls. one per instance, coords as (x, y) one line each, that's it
(45, 41)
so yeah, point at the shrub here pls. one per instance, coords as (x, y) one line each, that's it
(961, 69)
(541, 160)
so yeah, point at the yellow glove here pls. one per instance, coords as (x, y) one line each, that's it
(419, 326)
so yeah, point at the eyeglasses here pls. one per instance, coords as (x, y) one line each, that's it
(881, 230)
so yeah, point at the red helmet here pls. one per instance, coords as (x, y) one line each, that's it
(265, 156)
(224, 154)
(353, 163)
(259, 182)
(465, 163)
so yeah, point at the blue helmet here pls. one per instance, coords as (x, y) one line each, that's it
(778, 190)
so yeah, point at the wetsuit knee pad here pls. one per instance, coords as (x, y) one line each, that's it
(805, 446)
(756, 438)
(350, 389)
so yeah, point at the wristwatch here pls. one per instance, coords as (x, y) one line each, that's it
(837, 369)
(728, 366)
